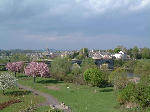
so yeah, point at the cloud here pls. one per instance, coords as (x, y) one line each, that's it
(103, 6)
(143, 4)
(73, 23)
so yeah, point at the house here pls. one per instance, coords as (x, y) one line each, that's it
(120, 55)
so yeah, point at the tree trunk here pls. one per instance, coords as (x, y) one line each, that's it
(34, 78)
(15, 74)
(3, 92)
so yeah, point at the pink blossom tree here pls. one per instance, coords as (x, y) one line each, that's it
(36, 69)
(15, 66)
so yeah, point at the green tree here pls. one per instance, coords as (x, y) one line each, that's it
(76, 69)
(117, 50)
(135, 52)
(119, 78)
(87, 63)
(142, 68)
(130, 65)
(75, 54)
(84, 52)
(146, 53)
(94, 76)
(60, 67)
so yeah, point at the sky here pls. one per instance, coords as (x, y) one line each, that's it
(74, 24)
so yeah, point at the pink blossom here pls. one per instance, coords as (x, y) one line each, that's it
(15, 66)
(37, 69)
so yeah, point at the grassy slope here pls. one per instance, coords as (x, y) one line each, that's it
(80, 98)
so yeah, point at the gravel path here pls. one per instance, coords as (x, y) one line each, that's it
(50, 100)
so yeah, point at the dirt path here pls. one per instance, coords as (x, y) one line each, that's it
(50, 100)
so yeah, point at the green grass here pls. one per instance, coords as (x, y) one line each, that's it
(79, 98)
(26, 97)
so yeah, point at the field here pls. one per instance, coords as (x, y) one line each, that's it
(79, 98)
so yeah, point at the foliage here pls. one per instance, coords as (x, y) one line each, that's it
(84, 52)
(2, 68)
(4, 61)
(7, 81)
(146, 53)
(136, 93)
(130, 65)
(87, 63)
(135, 52)
(119, 63)
(117, 50)
(80, 57)
(119, 78)
(106, 72)
(127, 94)
(60, 67)
(94, 76)
(76, 79)
(75, 54)
(142, 94)
(76, 69)
(142, 68)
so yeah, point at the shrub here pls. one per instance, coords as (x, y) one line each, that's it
(76, 79)
(138, 94)
(7, 81)
(87, 63)
(118, 63)
(94, 76)
(142, 94)
(142, 68)
(127, 94)
(76, 69)
(2, 68)
(119, 78)
(60, 67)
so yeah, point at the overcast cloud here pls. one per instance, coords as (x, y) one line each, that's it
(73, 24)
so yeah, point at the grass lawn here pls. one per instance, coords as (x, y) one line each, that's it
(79, 98)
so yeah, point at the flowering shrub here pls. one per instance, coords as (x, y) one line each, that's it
(37, 69)
(7, 81)
(15, 66)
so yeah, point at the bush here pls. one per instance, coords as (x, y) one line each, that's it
(138, 94)
(142, 68)
(60, 67)
(127, 94)
(142, 94)
(2, 68)
(118, 63)
(94, 76)
(7, 81)
(119, 78)
(87, 63)
(76, 69)
(76, 79)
